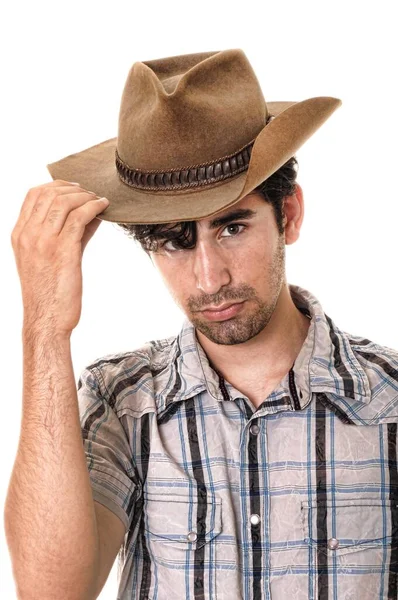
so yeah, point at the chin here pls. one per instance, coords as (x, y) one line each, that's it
(233, 331)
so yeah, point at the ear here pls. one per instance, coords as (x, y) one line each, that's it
(294, 215)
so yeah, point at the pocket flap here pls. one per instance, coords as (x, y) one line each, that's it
(175, 519)
(343, 526)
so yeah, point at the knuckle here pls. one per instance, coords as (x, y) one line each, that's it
(48, 193)
(38, 206)
(54, 214)
(73, 224)
(59, 202)
(25, 241)
(42, 245)
(58, 205)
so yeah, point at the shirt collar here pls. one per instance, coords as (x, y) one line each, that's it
(326, 363)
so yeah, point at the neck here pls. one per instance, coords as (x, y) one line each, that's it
(256, 366)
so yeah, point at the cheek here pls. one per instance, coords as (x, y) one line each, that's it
(260, 267)
(255, 260)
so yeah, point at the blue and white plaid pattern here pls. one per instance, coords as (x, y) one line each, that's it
(297, 499)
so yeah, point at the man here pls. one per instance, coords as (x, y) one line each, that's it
(253, 455)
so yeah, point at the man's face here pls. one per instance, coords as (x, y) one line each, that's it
(238, 260)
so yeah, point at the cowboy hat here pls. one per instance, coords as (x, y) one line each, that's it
(195, 135)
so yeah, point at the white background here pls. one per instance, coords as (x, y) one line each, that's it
(63, 69)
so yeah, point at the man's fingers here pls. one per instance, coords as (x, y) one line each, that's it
(46, 192)
(61, 209)
(77, 220)
(54, 204)
(34, 192)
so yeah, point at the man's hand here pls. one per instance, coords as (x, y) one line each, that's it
(56, 222)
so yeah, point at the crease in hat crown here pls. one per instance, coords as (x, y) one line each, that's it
(193, 110)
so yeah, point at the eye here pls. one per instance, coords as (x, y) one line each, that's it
(233, 229)
(170, 247)
(173, 246)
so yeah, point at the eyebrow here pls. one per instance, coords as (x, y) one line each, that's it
(242, 213)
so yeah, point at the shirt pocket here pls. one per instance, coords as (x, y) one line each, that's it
(177, 525)
(356, 532)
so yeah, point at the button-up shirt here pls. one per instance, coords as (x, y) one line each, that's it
(295, 499)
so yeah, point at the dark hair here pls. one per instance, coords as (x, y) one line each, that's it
(273, 190)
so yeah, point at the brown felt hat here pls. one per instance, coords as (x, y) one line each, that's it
(194, 138)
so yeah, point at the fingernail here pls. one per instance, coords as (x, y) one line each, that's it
(74, 183)
(105, 200)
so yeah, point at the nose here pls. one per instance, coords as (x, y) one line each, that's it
(210, 268)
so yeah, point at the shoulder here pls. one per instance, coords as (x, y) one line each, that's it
(131, 381)
(379, 362)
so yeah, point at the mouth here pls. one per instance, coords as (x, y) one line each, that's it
(223, 312)
(218, 308)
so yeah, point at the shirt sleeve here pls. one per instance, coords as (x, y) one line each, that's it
(108, 452)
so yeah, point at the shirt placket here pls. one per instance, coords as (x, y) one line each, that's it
(255, 507)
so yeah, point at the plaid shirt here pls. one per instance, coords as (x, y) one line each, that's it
(296, 499)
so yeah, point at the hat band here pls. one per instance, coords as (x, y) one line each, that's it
(187, 177)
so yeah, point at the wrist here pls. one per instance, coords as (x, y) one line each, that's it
(43, 334)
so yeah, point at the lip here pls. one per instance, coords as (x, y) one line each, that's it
(222, 313)
(219, 308)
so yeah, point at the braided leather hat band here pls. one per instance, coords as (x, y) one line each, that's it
(187, 177)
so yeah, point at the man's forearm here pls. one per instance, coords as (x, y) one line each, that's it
(50, 521)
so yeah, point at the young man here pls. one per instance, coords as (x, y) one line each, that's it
(251, 456)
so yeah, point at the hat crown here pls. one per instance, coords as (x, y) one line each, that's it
(188, 110)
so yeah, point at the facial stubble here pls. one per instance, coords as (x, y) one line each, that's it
(245, 326)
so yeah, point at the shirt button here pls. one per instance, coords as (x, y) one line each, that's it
(333, 544)
(192, 536)
(254, 429)
(254, 519)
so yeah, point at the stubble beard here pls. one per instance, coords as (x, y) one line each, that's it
(242, 328)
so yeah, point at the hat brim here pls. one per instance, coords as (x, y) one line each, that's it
(94, 168)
